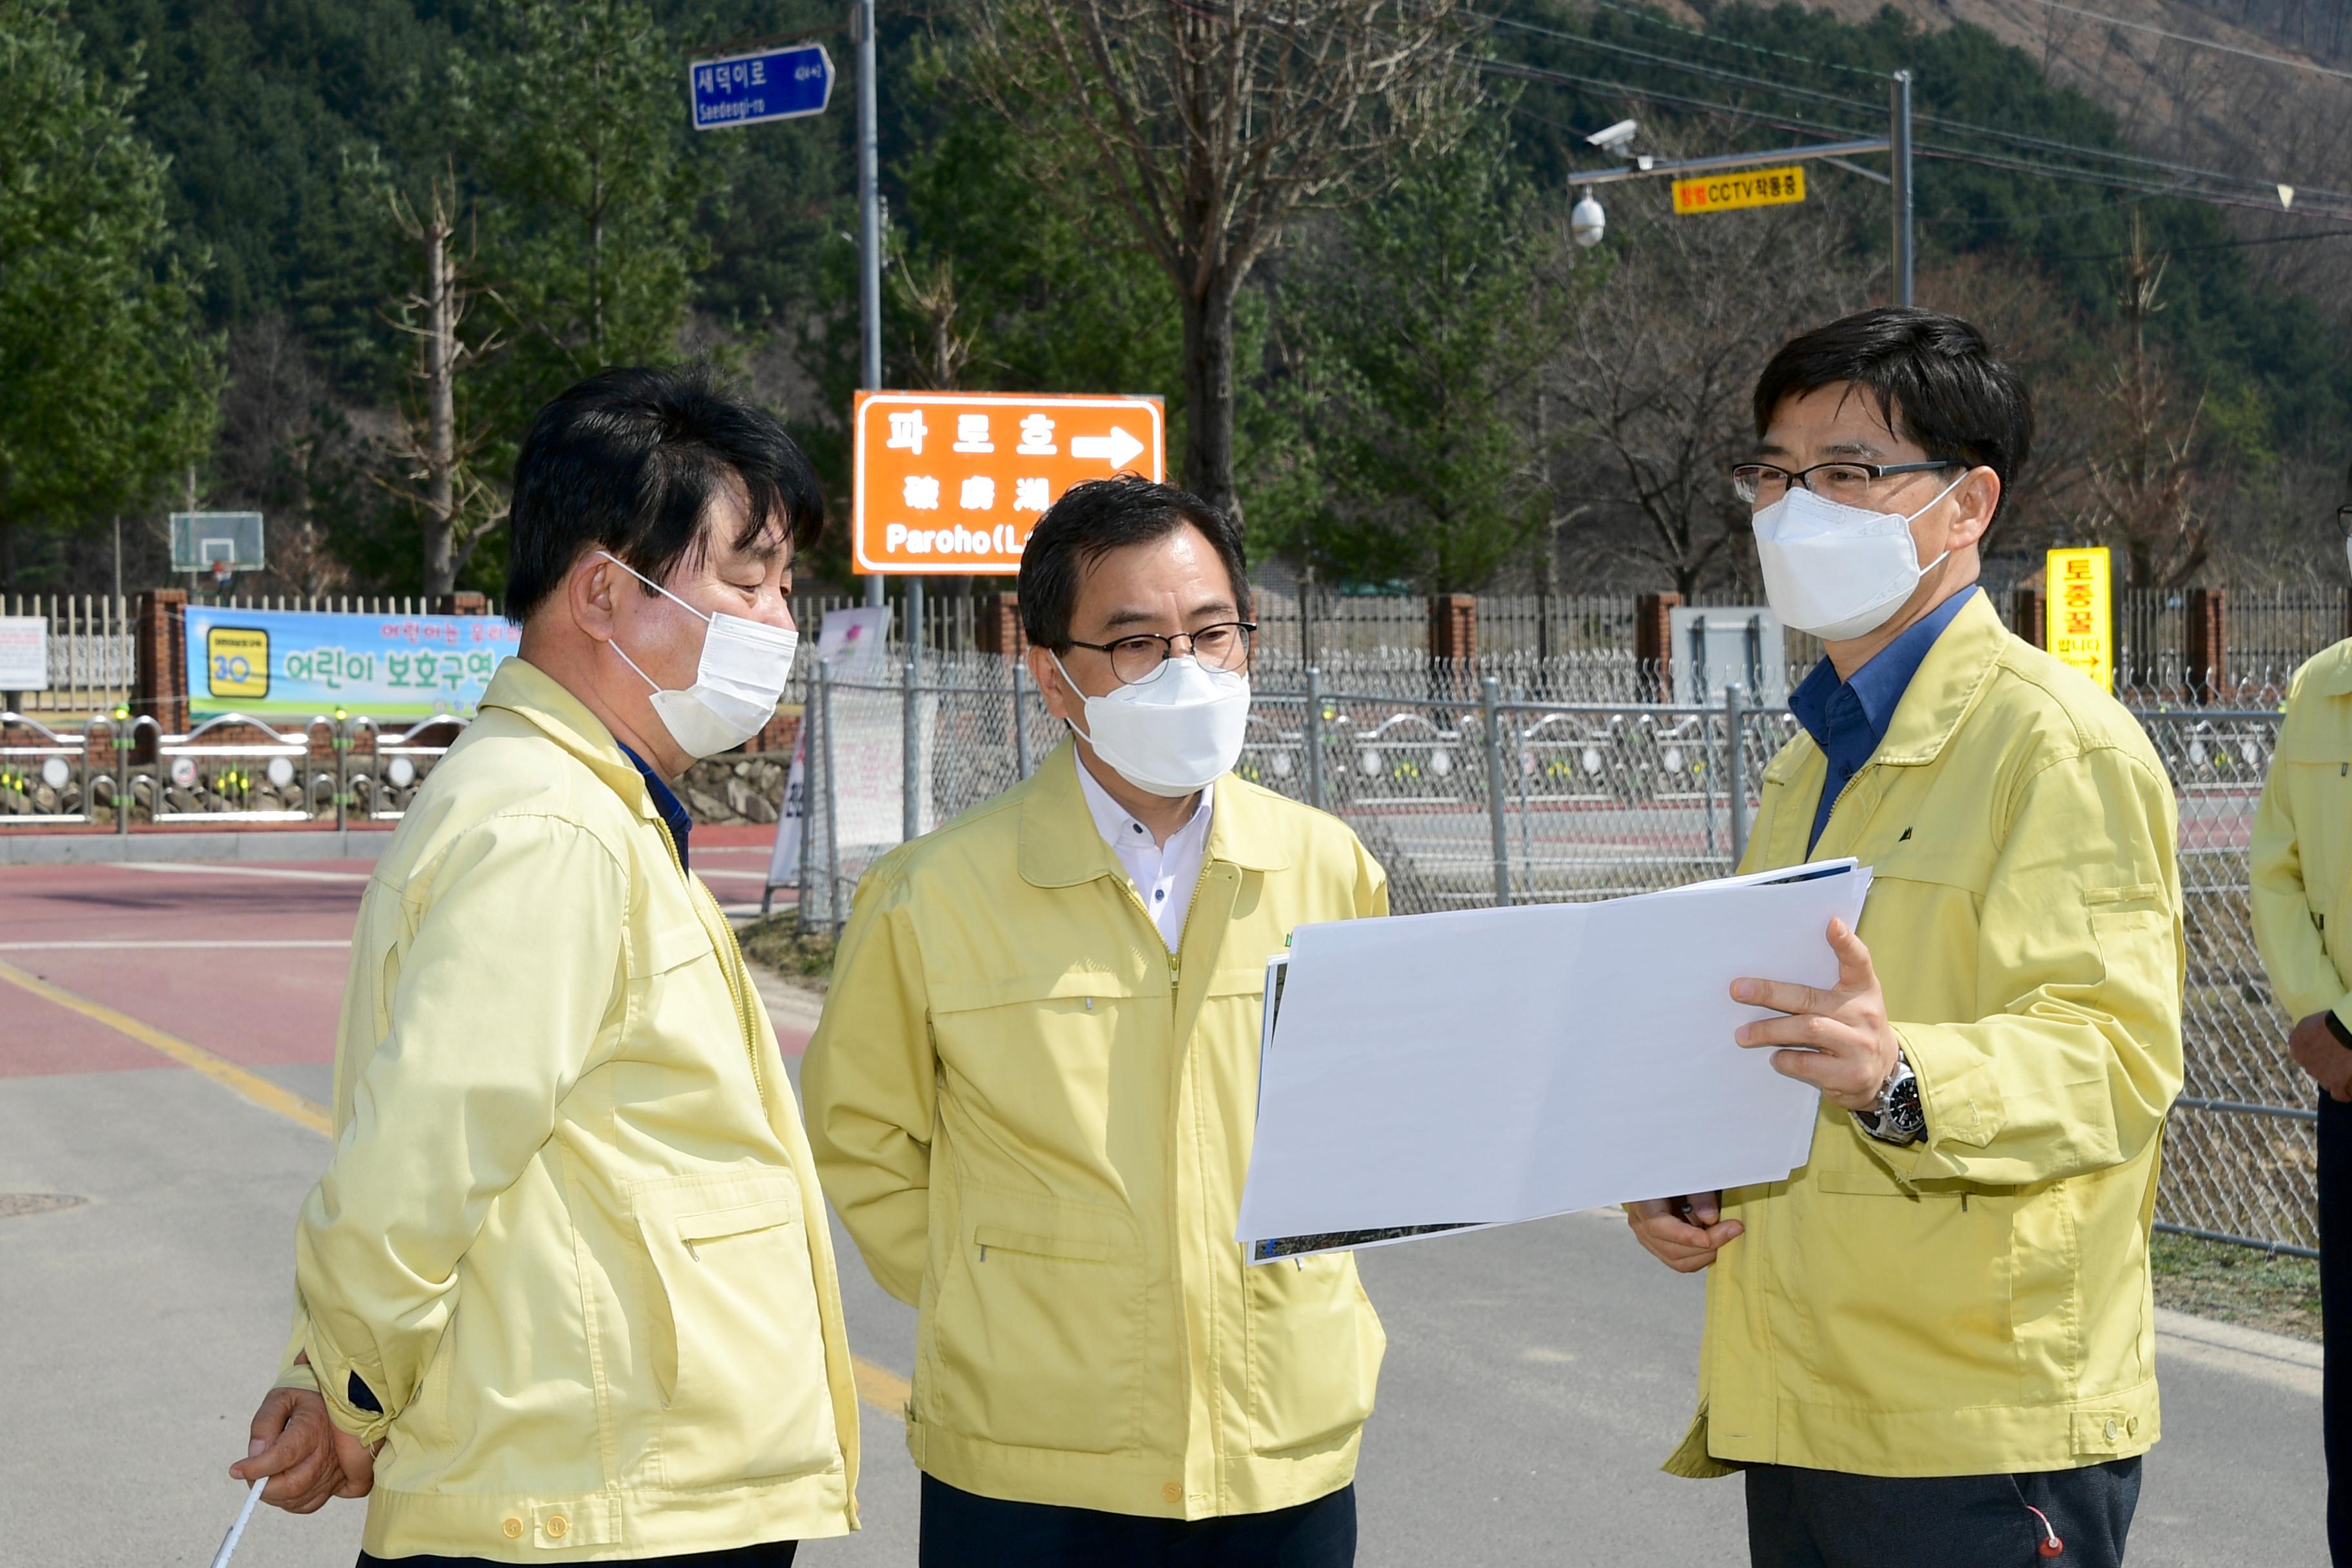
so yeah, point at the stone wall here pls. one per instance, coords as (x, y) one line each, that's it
(739, 788)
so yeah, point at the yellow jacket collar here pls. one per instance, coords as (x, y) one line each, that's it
(1061, 848)
(1949, 681)
(2331, 672)
(530, 693)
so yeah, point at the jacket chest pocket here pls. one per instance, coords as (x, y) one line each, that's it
(1070, 1066)
(1035, 1336)
(737, 1348)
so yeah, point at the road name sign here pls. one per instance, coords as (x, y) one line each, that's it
(767, 84)
(1745, 188)
(2079, 624)
(950, 483)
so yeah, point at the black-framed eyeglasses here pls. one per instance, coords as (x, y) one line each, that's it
(1137, 658)
(1761, 484)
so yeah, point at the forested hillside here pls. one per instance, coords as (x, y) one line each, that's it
(1433, 384)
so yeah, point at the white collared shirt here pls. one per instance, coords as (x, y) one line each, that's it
(1164, 875)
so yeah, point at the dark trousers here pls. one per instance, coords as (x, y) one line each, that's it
(773, 1554)
(2335, 1316)
(961, 1530)
(1827, 1519)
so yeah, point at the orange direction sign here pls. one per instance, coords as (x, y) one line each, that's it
(1748, 188)
(951, 482)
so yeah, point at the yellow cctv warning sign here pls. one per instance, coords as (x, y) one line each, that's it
(1746, 188)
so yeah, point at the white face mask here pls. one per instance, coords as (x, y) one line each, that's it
(1838, 571)
(740, 678)
(1177, 732)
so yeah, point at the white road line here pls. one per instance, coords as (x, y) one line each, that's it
(120, 946)
(207, 868)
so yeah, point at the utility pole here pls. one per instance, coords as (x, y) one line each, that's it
(1898, 136)
(869, 221)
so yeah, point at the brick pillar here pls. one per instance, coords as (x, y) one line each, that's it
(2208, 643)
(161, 691)
(1453, 626)
(1654, 640)
(467, 603)
(996, 626)
(2028, 619)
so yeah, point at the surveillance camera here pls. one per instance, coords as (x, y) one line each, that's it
(1616, 136)
(1586, 222)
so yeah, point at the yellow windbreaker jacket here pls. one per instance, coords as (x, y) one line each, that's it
(1035, 1123)
(570, 1236)
(1978, 1301)
(2302, 851)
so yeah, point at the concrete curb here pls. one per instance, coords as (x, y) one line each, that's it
(115, 848)
(2275, 1359)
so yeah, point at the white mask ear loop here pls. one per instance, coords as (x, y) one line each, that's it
(615, 645)
(1933, 502)
(1073, 685)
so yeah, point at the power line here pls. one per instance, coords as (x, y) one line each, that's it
(1993, 160)
(1964, 127)
(2200, 43)
(2215, 245)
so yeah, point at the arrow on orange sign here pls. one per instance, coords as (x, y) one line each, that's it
(1118, 449)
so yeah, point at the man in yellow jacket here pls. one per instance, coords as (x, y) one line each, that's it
(1933, 1345)
(568, 1268)
(2302, 873)
(1032, 1093)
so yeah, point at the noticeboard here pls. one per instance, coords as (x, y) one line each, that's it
(950, 483)
(2079, 626)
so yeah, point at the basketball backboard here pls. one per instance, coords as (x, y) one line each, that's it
(207, 541)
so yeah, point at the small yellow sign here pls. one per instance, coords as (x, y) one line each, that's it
(2079, 624)
(237, 662)
(1747, 188)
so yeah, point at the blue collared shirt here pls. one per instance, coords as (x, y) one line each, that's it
(1848, 719)
(673, 810)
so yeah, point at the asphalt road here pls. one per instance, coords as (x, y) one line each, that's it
(1535, 1375)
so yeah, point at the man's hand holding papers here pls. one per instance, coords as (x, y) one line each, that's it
(1839, 1041)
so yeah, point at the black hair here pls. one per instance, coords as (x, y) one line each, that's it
(1936, 382)
(1094, 518)
(629, 460)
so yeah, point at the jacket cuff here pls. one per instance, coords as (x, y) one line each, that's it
(339, 1383)
(1958, 1099)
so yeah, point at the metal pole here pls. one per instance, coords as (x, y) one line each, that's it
(121, 727)
(1020, 728)
(1735, 771)
(1311, 737)
(869, 219)
(832, 817)
(1490, 698)
(910, 795)
(1899, 113)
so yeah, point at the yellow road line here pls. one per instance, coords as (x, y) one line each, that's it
(880, 1387)
(251, 1085)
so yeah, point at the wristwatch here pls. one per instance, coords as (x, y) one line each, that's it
(1895, 1117)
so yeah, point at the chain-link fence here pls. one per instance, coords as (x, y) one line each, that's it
(1531, 780)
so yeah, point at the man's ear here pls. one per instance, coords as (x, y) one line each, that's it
(589, 589)
(1062, 700)
(1978, 497)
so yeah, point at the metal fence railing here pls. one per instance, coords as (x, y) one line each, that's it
(117, 771)
(1553, 780)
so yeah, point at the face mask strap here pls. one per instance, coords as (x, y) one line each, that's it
(699, 615)
(1939, 497)
(632, 663)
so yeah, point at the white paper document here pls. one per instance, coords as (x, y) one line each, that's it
(1492, 1066)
